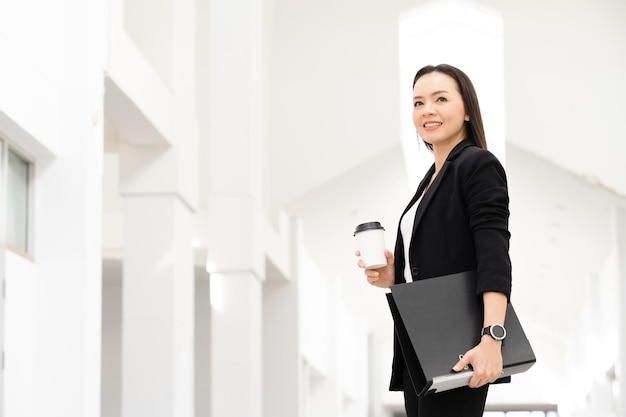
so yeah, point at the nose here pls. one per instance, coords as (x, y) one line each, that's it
(428, 108)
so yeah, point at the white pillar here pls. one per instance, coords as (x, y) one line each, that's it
(620, 234)
(235, 241)
(202, 366)
(236, 345)
(281, 354)
(2, 284)
(158, 307)
(281, 339)
(375, 341)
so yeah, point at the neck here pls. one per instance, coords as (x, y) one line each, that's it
(441, 152)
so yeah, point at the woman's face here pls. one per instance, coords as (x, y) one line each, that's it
(438, 110)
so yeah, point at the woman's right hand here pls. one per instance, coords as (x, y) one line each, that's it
(383, 277)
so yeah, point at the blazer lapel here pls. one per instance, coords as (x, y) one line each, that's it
(428, 196)
(420, 190)
(432, 190)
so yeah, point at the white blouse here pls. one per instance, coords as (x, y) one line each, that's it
(406, 230)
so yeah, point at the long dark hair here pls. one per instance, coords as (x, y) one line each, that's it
(474, 127)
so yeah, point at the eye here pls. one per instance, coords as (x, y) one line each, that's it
(441, 99)
(417, 103)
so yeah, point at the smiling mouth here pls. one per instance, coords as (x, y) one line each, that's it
(432, 124)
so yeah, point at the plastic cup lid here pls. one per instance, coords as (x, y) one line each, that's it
(368, 226)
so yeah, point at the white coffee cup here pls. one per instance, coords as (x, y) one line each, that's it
(371, 243)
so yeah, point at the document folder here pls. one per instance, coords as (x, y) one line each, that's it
(438, 319)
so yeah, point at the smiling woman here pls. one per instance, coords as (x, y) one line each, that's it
(456, 221)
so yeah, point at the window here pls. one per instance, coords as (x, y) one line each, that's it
(16, 174)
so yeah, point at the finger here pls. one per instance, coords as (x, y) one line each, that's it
(371, 273)
(475, 382)
(461, 364)
(480, 379)
(389, 257)
(372, 280)
(357, 253)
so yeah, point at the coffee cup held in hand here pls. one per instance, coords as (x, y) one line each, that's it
(370, 239)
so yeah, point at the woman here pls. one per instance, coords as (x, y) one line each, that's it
(457, 221)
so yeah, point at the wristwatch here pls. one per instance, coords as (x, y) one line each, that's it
(496, 331)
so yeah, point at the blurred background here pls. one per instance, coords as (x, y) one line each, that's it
(180, 181)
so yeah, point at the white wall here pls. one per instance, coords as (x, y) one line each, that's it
(150, 25)
(51, 101)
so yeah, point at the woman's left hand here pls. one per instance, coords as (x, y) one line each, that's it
(486, 361)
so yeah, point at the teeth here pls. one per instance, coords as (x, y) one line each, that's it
(432, 124)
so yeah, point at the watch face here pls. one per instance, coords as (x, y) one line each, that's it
(498, 332)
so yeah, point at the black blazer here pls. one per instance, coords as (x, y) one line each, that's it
(461, 224)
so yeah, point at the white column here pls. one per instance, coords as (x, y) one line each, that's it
(235, 241)
(375, 342)
(202, 366)
(158, 308)
(620, 234)
(281, 339)
(281, 354)
(2, 319)
(236, 345)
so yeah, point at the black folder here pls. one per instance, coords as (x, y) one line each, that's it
(440, 318)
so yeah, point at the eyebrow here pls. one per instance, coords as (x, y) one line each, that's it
(433, 94)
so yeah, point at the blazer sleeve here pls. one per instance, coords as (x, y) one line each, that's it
(487, 205)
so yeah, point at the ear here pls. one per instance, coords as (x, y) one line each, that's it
(467, 118)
